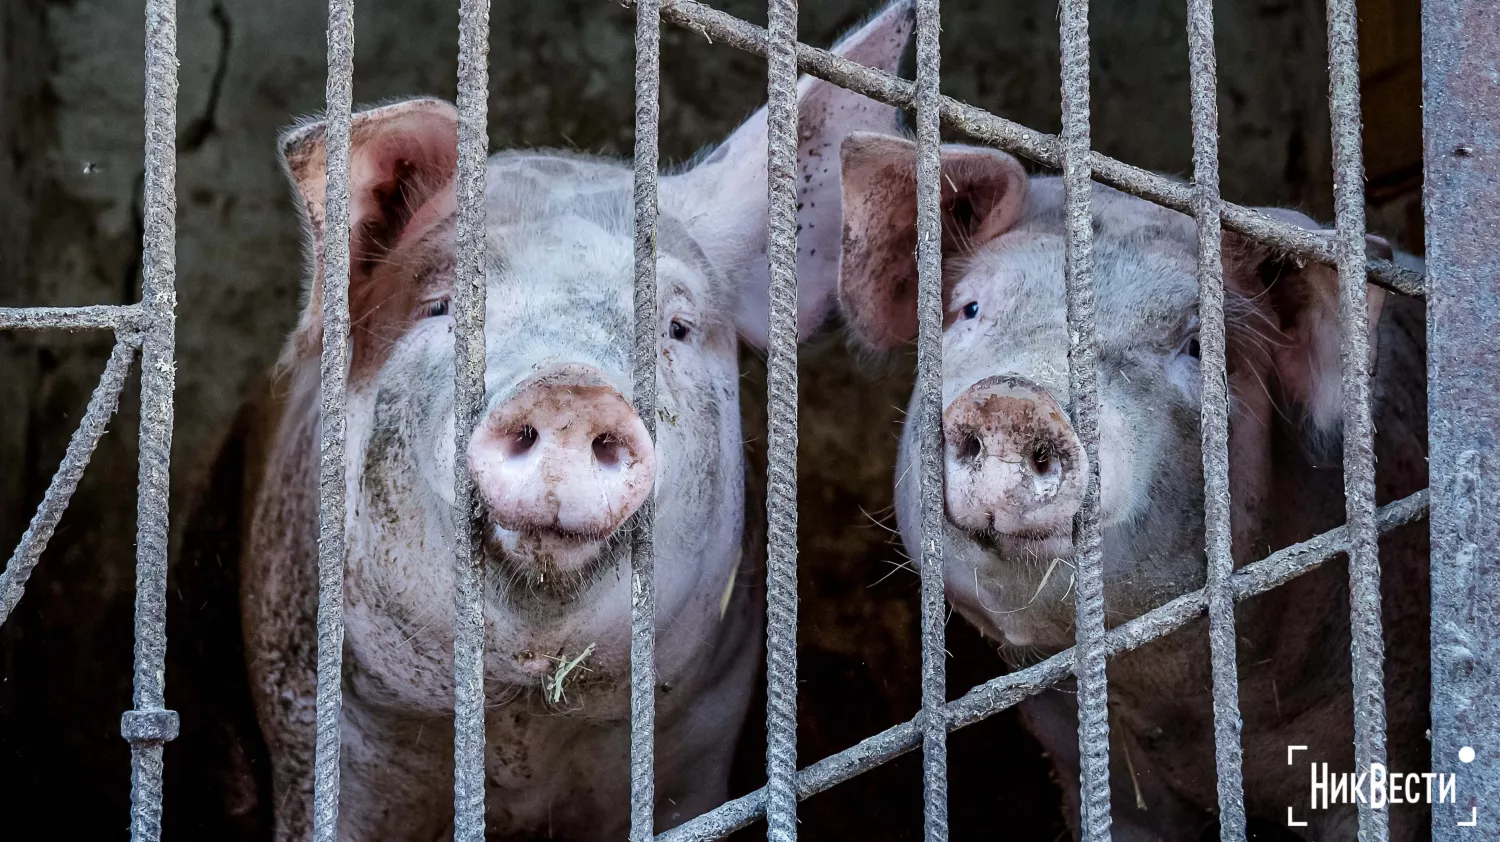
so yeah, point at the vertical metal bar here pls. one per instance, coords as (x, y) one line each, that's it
(1461, 116)
(1217, 537)
(781, 487)
(468, 403)
(929, 421)
(1359, 452)
(334, 373)
(158, 380)
(1083, 380)
(643, 552)
(101, 408)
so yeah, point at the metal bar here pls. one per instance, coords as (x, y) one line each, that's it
(468, 403)
(1006, 691)
(1461, 115)
(158, 380)
(929, 421)
(1217, 537)
(91, 317)
(101, 408)
(643, 552)
(1038, 146)
(1083, 389)
(781, 365)
(1359, 448)
(331, 471)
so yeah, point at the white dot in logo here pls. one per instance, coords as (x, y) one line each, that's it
(1466, 754)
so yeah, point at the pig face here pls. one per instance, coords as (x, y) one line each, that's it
(559, 458)
(1014, 469)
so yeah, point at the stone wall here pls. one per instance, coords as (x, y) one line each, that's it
(70, 182)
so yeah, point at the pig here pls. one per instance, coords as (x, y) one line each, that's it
(560, 460)
(1014, 474)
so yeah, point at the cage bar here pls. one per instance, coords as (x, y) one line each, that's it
(929, 421)
(148, 726)
(89, 317)
(1358, 433)
(1217, 537)
(1461, 116)
(781, 376)
(101, 408)
(1038, 146)
(333, 385)
(643, 549)
(468, 404)
(1083, 389)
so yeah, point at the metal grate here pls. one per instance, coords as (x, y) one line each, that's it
(1463, 446)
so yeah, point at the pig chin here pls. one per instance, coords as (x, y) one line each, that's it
(551, 563)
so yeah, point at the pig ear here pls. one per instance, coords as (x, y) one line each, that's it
(402, 161)
(984, 192)
(723, 200)
(1305, 298)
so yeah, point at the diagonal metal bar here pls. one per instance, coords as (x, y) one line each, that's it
(643, 552)
(1083, 389)
(468, 402)
(1368, 647)
(90, 317)
(1043, 148)
(781, 365)
(148, 725)
(101, 408)
(1217, 537)
(334, 368)
(929, 421)
(1004, 692)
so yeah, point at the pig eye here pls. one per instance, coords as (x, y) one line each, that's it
(679, 331)
(438, 308)
(971, 309)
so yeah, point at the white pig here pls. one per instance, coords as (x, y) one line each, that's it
(560, 460)
(1014, 474)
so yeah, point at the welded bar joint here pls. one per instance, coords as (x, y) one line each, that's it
(1228, 760)
(643, 549)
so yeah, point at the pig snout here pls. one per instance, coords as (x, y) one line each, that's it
(1013, 464)
(563, 453)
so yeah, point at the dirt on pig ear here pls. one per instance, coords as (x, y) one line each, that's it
(402, 163)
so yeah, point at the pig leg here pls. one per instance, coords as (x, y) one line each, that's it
(1052, 717)
(396, 777)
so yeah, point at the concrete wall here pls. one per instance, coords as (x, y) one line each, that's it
(70, 178)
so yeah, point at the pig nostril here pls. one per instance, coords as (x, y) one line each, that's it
(1043, 459)
(607, 450)
(969, 448)
(520, 441)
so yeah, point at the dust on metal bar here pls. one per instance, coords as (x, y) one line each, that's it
(468, 402)
(331, 471)
(90, 317)
(781, 376)
(1004, 692)
(643, 550)
(929, 421)
(1461, 113)
(1038, 146)
(1368, 647)
(101, 408)
(1083, 389)
(158, 379)
(1217, 538)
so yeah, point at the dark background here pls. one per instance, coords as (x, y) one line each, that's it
(70, 232)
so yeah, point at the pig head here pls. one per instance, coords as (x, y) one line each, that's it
(560, 459)
(1015, 470)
